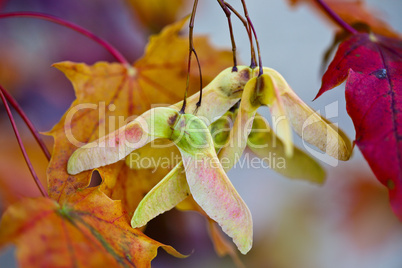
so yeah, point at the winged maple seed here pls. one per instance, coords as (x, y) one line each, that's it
(173, 189)
(205, 177)
(308, 124)
(198, 153)
(263, 142)
(223, 92)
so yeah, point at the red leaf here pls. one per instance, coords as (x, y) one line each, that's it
(372, 65)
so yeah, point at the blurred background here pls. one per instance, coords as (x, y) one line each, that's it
(347, 222)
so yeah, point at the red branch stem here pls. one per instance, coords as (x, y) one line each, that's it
(112, 50)
(335, 17)
(28, 122)
(17, 135)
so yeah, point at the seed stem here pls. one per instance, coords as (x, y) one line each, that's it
(250, 36)
(191, 51)
(251, 28)
(228, 14)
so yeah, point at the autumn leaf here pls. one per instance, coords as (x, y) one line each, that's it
(372, 65)
(110, 92)
(156, 14)
(352, 12)
(339, 37)
(88, 230)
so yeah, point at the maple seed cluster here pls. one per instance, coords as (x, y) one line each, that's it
(197, 173)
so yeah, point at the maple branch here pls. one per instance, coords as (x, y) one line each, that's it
(112, 50)
(228, 14)
(28, 122)
(251, 27)
(250, 37)
(335, 17)
(17, 135)
(191, 51)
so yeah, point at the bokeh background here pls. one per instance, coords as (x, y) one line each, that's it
(347, 222)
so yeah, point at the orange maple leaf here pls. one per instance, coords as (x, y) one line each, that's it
(88, 230)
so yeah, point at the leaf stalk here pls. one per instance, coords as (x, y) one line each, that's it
(28, 122)
(335, 17)
(17, 135)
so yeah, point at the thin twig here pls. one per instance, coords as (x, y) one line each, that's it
(335, 17)
(191, 51)
(228, 14)
(260, 72)
(198, 104)
(28, 122)
(249, 33)
(112, 50)
(17, 135)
